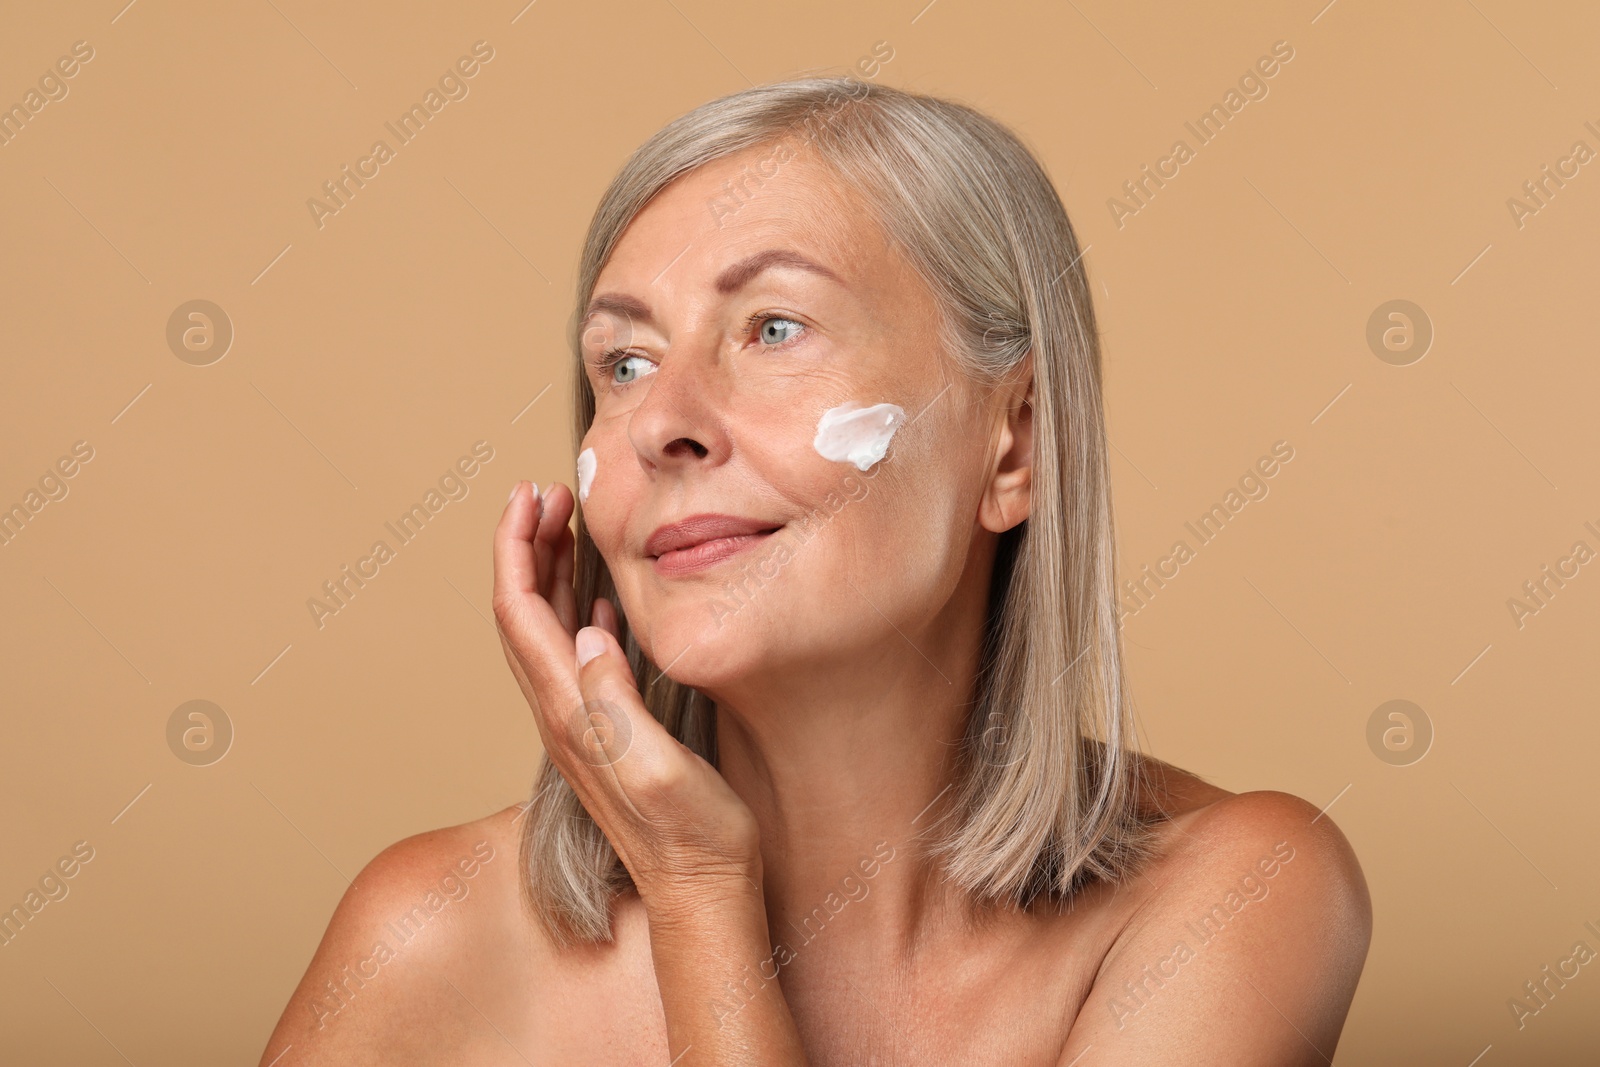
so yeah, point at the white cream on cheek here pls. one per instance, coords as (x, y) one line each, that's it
(585, 473)
(854, 433)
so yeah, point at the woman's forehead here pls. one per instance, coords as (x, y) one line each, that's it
(725, 211)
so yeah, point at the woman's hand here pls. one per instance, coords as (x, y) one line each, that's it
(683, 834)
(690, 843)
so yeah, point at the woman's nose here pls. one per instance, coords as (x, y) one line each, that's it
(680, 420)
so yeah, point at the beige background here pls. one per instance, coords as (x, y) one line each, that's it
(428, 314)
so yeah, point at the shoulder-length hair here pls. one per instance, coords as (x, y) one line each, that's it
(1047, 795)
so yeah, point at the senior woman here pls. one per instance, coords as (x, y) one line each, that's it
(838, 755)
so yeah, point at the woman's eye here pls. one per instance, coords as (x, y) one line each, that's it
(773, 330)
(624, 370)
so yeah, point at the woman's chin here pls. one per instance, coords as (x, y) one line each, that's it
(695, 649)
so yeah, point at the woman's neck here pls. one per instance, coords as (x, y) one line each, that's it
(843, 766)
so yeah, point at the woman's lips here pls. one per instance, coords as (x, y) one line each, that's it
(703, 540)
(698, 557)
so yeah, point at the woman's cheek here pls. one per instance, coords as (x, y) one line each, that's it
(597, 492)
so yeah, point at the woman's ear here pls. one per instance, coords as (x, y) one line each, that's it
(1008, 496)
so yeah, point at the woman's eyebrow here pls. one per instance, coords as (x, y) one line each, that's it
(623, 306)
(740, 274)
(731, 280)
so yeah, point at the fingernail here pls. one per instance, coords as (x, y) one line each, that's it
(513, 495)
(535, 489)
(590, 644)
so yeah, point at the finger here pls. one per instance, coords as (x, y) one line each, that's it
(553, 548)
(543, 557)
(537, 646)
(558, 506)
(563, 598)
(513, 550)
(533, 633)
(604, 615)
(621, 726)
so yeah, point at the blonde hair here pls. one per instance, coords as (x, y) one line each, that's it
(1047, 793)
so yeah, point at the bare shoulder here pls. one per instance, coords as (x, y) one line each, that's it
(1248, 940)
(1210, 827)
(1285, 845)
(418, 923)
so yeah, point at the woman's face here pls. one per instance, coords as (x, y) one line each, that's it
(732, 350)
